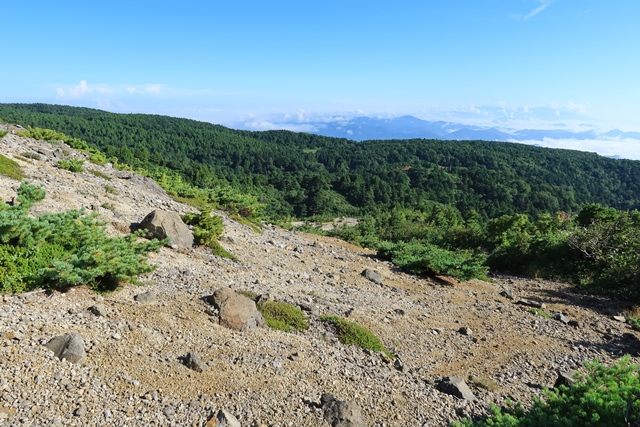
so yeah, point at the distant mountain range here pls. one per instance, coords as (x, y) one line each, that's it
(406, 127)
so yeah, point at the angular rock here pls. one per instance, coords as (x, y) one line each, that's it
(69, 347)
(146, 297)
(372, 275)
(192, 361)
(465, 331)
(97, 310)
(235, 311)
(530, 303)
(223, 419)
(564, 378)
(168, 225)
(560, 317)
(456, 386)
(340, 413)
(506, 293)
(620, 319)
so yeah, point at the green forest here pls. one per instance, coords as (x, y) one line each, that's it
(462, 208)
(302, 175)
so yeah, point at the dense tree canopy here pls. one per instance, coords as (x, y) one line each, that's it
(301, 174)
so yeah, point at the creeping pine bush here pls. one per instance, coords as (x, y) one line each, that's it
(426, 258)
(606, 397)
(72, 165)
(57, 251)
(207, 228)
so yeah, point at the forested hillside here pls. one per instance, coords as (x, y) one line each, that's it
(302, 175)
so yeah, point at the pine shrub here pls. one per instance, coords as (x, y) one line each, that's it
(606, 397)
(61, 250)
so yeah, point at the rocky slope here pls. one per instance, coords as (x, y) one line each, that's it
(132, 374)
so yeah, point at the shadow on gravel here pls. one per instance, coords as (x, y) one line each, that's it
(603, 305)
(617, 345)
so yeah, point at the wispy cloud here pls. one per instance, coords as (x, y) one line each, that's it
(541, 6)
(84, 89)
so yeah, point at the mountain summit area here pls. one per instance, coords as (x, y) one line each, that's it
(197, 340)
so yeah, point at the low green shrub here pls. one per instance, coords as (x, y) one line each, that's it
(351, 333)
(61, 250)
(10, 168)
(634, 322)
(207, 228)
(98, 158)
(426, 258)
(2, 133)
(606, 396)
(283, 316)
(72, 165)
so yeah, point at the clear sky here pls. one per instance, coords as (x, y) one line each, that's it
(229, 61)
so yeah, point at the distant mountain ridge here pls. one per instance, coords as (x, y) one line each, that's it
(363, 128)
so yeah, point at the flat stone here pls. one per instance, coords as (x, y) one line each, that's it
(530, 303)
(146, 297)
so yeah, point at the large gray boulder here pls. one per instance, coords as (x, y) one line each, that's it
(236, 311)
(340, 413)
(68, 346)
(168, 225)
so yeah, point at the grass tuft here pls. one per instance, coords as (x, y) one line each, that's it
(351, 333)
(10, 168)
(283, 316)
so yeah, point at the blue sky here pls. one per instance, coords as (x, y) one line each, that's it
(244, 61)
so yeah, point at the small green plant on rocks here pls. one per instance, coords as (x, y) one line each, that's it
(351, 333)
(540, 312)
(283, 316)
(72, 165)
(207, 229)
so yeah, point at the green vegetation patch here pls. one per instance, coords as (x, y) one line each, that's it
(2, 133)
(61, 250)
(606, 396)
(283, 316)
(352, 333)
(10, 168)
(72, 165)
(207, 229)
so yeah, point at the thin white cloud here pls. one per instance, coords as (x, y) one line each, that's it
(84, 89)
(542, 5)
